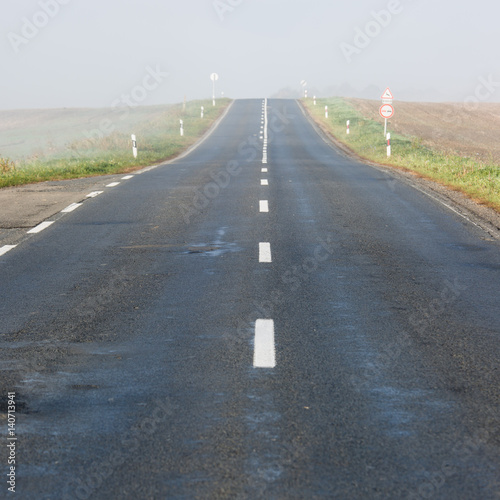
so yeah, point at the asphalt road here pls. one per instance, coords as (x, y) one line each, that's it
(178, 337)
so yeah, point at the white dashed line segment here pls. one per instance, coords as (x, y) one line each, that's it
(127, 177)
(264, 170)
(6, 248)
(264, 206)
(112, 185)
(263, 182)
(265, 252)
(93, 194)
(264, 355)
(41, 227)
(71, 207)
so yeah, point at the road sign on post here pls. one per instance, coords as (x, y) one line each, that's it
(386, 111)
(387, 95)
(214, 77)
(303, 83)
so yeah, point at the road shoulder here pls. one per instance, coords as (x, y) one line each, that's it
(480, 215)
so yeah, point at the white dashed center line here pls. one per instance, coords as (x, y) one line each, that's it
(264, 151)
(6, 248)
(264, 355)
(127, 177)
(112, 185)
(94, 194)
(264, 206)
(264, 170)
(41, 227)
(71, 207)
(265, 252)
(263, 182)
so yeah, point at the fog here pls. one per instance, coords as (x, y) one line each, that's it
(93, 53)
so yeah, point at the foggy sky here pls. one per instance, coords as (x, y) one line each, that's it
(91, 53)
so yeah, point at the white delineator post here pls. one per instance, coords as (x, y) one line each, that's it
(388, 144)
(202, 111)
(348, 125)
(326, 111)
(315, 100)
(134, 145)
(182, 128)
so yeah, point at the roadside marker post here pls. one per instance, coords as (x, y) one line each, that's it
(134, 145)
(182, 128)
(315, 100)
(388, 145)
(326, 111)
(202, 111)
(348, 126)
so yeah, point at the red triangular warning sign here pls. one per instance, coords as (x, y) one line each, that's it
(387, 94)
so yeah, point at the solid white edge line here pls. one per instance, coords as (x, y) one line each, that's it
(41, 227)
(6, 248)
(265, 252)
(264, 206)
(196, 145)
(388, 171)
(264, 355)
(71, 207)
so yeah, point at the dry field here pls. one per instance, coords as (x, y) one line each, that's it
(471, 130)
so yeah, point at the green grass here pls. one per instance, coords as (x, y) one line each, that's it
(480, 181)
(98, 142)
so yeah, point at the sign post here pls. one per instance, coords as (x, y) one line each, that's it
(214, 77)
(386, 111)
(304, 85)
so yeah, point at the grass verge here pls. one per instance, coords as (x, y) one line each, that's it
(158, 140)
(480, 181)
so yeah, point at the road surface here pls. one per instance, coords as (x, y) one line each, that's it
(263, 318)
